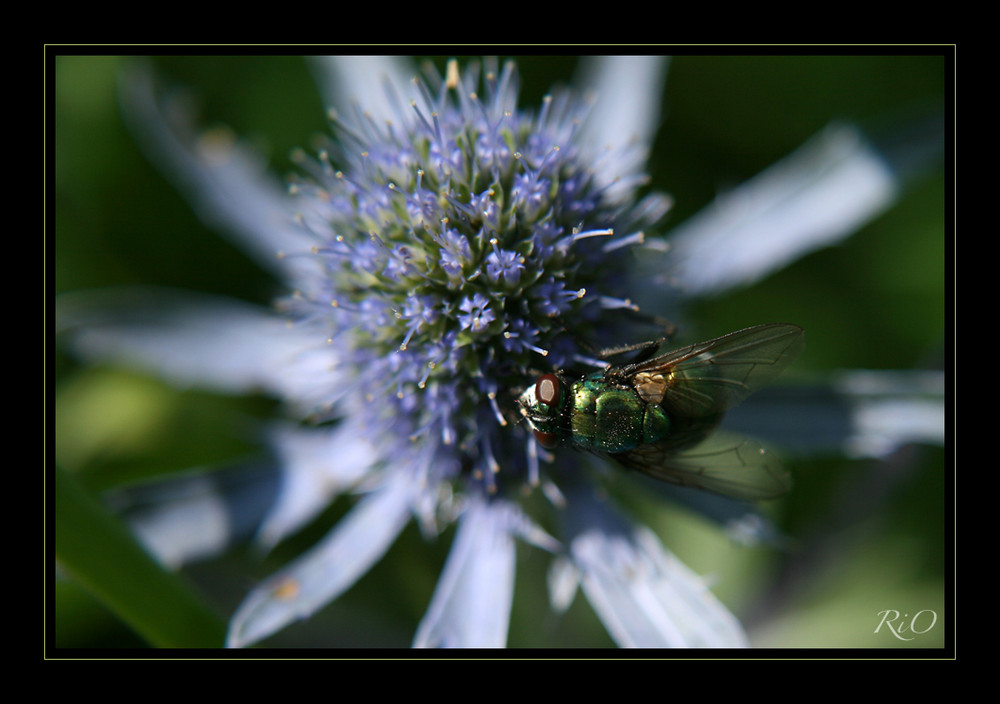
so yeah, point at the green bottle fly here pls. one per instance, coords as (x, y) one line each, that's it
(658, 415)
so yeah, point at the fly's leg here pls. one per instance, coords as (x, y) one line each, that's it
(646, 349)
(598, 357)
(658, 322)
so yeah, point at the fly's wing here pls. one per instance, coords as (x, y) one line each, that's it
(709, 378)
(723, 463)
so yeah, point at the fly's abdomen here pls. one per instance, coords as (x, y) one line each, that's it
(613, 418)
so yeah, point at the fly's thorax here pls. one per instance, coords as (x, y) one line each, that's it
(652, 385)
(612, 417)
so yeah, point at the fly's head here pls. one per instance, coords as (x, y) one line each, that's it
(543, 405)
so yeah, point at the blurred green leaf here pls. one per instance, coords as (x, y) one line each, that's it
(98, 552)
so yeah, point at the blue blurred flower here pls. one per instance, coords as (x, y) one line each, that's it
(446, 242)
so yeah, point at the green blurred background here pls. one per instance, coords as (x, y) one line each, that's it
(876, 301)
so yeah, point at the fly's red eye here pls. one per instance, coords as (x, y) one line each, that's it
(548, 390)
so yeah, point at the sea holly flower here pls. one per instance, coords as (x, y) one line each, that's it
(446, 242)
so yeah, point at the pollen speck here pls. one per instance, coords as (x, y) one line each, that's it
(286, 590)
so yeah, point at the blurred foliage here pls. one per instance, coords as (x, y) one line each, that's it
(875, 301)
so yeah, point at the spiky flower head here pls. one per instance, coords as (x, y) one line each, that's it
(456, 248)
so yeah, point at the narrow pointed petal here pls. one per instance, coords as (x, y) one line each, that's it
(317, 465)
(327, 570)
(563, 581)
(647, 598)
(216, 343)
(363, 80)
(195, 516)
(643, 594)
(863, 413)
(892, 409)
(472, 601)
(187, 528)
(813, 198)
(227, 185)
(628, 92)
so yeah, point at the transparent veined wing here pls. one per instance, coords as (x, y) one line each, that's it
(706, 379)
(723, 463)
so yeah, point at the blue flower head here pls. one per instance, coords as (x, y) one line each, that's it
(441, 248)
(487, 232)
(473, 222)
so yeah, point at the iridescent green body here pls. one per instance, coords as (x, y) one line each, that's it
(611, 417)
